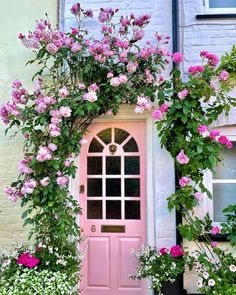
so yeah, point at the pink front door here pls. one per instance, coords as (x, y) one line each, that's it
(113, 199)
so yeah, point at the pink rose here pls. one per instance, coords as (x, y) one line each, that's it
(52, 147)
(76, 47)
(44, 154)
(110, 75)
(203, 53)
(54, 130)
(131, 67)
(62, 180)
(123, 78)
(213, 59)
(157, 114)
(198, 196)
(176, 251)
(223, 139)
(184, 181)
(215, 230)
(115, 82)
(26, 259)
(177, 57)
(90, 96)
(202, 128)
(75, 8)
(224, 75)
(163, 251)
(214, 133)
(182, 158)
(52, 48)
(82, 86)
(65, 112)
(214, 244)
(164, 107)
(45, 181)
(93, 87)
(182, 94)
(229, 145)
(63, 92)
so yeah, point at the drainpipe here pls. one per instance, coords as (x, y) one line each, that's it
(175, 48)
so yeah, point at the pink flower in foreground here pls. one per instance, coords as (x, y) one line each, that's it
(177, 57)
(164, 107)
(198, 196)
(62, 180)
(28, 260)
(182, 158)
(63, 92)
(52, 48)
(44, 154)
(202, 128)
(224, 75)
(223, 139)
(215, 230)
(176, 251)
(182, 94)
(214, 244)
(184, 181)
(214, 133)
(157, 114)
(163, 251)
(65, 112)
(90, 96)
(45, 181)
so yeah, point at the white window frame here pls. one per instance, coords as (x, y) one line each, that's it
(222, 10)
(207, 203)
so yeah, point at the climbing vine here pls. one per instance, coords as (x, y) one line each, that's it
(80, 78)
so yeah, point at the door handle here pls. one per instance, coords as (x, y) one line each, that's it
(81, 189)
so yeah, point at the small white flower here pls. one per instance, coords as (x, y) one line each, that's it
(232, 268)
(205, 275)
(199, 283)
(211, 283)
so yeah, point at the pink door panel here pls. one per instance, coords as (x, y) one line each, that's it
(112, 171)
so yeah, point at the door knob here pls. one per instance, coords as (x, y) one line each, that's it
(93, 228)
(81, 189)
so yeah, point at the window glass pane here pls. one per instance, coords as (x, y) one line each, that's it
(222, 3)
(131, 146)
(132, 210)
(94, 209)
(94, 165)
(132, 187)
(105, 135)
(227, 169)
(224, 194)
(113, 187)
(120, 135)
(113, 165)
(94, 187)
(113, 209)
(132, 165)
(95, 146)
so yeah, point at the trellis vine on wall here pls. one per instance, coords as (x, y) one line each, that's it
(81, 78)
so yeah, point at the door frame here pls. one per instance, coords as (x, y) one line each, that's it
(126, 114)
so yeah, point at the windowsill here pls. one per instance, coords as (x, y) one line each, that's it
(216, 16)
(216, 238)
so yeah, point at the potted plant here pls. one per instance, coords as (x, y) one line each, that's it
(163, 266)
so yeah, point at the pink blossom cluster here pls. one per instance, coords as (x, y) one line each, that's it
(224, 75)
(19, 93)
(42, 103)
(132, 67)
(143, 104)
(91, 95)
(56, 118)
(213, 134)
(62, 180)
(175, 251)
(29, 186)
(198, 196)
(101, 50)
(26, 259)
(13, 193)
(149, 77)
(106, 14)
(213, 59)
(117, 81)
(183, 94)
(23, 166)
(182, 158)
(7, 110)
(196, 69)
(158, 113)
(177, 57)
(44, 154)
(76, 10)
(215, 230)
(45, 181)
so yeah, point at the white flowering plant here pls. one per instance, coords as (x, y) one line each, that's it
(38, 270)
(163, 265)
(216, 275)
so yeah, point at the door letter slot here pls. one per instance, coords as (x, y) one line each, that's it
(113, 228)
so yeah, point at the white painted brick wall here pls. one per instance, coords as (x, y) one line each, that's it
(163, 169)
